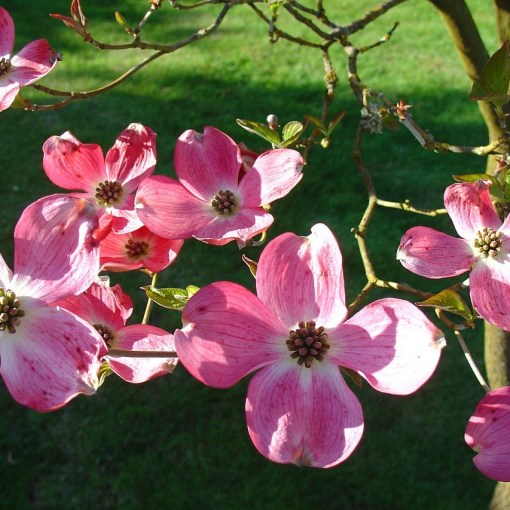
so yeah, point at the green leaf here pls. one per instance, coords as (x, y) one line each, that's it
(496, 189)
(450, 301)
(261, 130)
(316, 122)
(121, 20)
(494, 79)
(335, 121)
(291, 132)
(174, 299)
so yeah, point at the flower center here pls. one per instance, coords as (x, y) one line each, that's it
(10, 311)
(224, 202)
(105, 332)
(5, 65)
(307, 343)
(108, 192)
(488, 242)
(136, 249)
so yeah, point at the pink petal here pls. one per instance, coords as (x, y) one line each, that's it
(470, 208)
(227, 334)
(140, 337)
(101, 304)
(273, 175)
(33, 62)
(125, 220)
(5, 274)
(433, 254)
(488, 433)
(169, 210)
(8, 93)
(243, 225)
(52, 357)
(489, 284)
(6, 33)
(73, 165)
(54, 252)
(207, 163)
(301, 278)
(305, 416)
(133, 156)
(390, 343)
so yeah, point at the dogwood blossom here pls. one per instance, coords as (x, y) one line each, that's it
(34, 61)
(483, 248)
(488, 433)
(49, 355)
(109, 183)
(107, 309)
(138, 249)
(294, 332)
(211, 201)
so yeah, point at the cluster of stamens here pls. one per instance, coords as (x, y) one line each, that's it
(105, 332)
(10, 311)
(136, 249)
(5, 65)
(224, 202)
(307, 343)
(108, 192)
(488, 242)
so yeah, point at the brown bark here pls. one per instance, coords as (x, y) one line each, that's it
(473, 54)
(503, 20)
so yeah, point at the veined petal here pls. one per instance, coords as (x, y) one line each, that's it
(305, 416)
(391, 343)
(228, 332)
(139, 337)
(243, 225)
(273, 175)
(169, 210)
(207, 163)
(73, 165)
(53, 356)
(55, 254)
(7, 33)
(301, 278)
(433, 254)
(100, 304)
(33, 62)
(8, 93)
(489, 285)
(488, 433)
(470, 208)
(133, 156)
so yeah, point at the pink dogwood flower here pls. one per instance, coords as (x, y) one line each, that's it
(49, 355)
(33, 62)
(488, 433)
(211, 201)
(107, 309)
(483, 248)
(294, 332)
(138, 249)
(109, 183)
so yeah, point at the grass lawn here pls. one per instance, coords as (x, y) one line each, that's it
(172, 442)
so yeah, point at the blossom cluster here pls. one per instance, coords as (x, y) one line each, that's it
(483, 249)
(63, 327)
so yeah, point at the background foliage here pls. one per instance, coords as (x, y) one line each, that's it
(173, 443)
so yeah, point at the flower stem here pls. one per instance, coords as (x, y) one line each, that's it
(148, 308)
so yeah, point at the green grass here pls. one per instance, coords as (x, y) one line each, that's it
(174, 443)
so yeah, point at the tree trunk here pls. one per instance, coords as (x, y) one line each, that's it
(473, 54)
